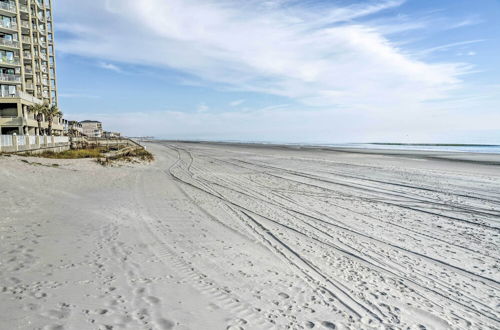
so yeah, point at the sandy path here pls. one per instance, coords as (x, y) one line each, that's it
(230, 237)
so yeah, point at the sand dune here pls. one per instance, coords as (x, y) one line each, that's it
(215, 236)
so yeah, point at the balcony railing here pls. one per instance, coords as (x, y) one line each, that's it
(22, 95)
(11, 61)
(30, 86)
(10, 78)
(8, 6)
(25, 24)
(9, 43)
(24, 8)
(8, 25)
(26, 40)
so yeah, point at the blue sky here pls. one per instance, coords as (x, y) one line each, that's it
(284, 70)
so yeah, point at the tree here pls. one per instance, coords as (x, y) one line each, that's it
(52, 111)
(39, 110)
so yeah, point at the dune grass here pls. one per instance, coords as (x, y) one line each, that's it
(132, 156)
(73, 154)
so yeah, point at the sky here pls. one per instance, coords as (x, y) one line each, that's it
(310, 71)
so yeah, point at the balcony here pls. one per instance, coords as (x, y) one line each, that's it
(10, 78)
(43, 57)
(20, 95)
(28, 71)
(9, 61)
(26, 40)
(25, 24)
(30, 86)
(24, 8)
(8, 6)
(9, 43)
(27, 55)
(8, 25)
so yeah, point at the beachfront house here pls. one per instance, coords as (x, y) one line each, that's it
(27, 66)
(92, 128)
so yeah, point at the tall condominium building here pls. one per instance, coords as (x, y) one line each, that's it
(27, 64)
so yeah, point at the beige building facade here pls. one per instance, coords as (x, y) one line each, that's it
(92, 128)
(27, 65)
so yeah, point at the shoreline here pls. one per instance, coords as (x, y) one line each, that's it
(463, 156)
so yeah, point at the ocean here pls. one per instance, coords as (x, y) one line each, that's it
(489, 149)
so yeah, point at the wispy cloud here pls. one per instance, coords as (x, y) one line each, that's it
(287, 48)
(202, 107)
(78, 96)
(344, 72)
(448, 46)
(110, 66)
(236, 103)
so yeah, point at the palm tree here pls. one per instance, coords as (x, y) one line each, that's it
(52, 111)
(39, 110)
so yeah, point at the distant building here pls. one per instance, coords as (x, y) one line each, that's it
(111, 134)
(92, 128)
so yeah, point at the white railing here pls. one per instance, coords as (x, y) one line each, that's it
(15, 143)
(7, 25)
(6, 140)
(10, 77)
(8, 6)
(25, 96)
(9, 43)
(21, 140)
(13, 61)
(61, 139)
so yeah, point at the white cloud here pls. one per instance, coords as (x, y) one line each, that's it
(110, 66)
(203, 107)
(79, 96)
(299, 52)
(353, 83)
(236, 103)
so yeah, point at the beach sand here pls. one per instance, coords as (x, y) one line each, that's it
(221, 236)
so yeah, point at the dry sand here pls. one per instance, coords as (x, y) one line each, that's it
(214, 236)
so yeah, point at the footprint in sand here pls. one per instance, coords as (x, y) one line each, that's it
(165, 324)
(152, 300)
(328, 325)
